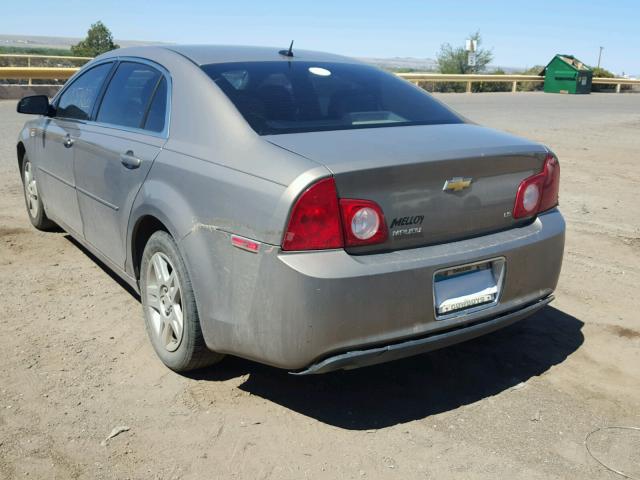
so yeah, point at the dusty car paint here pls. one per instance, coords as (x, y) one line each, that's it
(210, 176)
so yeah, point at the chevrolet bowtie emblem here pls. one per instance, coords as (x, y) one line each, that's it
(456, 184)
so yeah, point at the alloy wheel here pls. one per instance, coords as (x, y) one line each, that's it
(30, 190)
(164, 301)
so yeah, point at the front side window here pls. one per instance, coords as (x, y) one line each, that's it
(299, 96)
(127, 99)
(77, 101)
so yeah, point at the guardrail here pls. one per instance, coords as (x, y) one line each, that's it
(28, 57)
(45, 73)
(29, 60)
(469, 79)
(513, 79)
(63, 73)
(618, 82)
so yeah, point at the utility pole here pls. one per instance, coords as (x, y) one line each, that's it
(600, 56)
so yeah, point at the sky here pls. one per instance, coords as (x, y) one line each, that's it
(521, 34)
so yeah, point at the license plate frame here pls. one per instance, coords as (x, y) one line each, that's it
(460, 290)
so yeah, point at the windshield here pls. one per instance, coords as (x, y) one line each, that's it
(287, 97)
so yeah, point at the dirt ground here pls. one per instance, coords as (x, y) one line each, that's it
(516, 404)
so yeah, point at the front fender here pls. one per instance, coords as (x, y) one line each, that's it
(27, 140)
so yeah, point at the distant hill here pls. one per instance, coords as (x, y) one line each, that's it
(403, 63)
(63, 43)
(422, 64)
(397, 64)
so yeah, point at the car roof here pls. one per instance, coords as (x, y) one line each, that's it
(208, 54)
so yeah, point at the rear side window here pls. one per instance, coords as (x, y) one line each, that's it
(158, 108)
(77, 101)
(128, 96)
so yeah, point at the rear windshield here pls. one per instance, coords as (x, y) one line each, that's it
(287, 97)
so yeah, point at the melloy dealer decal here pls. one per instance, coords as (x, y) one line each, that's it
(406, 226)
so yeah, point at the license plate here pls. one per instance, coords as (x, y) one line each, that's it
(466, 288)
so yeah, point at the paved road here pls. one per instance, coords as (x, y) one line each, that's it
(516, 404)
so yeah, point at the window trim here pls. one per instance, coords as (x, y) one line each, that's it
(164, 134)
(145, 116)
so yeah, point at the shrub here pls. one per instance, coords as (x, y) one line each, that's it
(531, 86)
(492, 86)
(604, 73)
(98, 41)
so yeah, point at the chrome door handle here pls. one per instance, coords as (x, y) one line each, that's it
(129, 160)
(68, 142)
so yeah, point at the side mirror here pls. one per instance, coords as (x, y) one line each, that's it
(34, 105)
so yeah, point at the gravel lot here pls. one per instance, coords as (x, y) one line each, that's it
(517, 404)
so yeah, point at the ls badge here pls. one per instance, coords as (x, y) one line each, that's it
(456, 184)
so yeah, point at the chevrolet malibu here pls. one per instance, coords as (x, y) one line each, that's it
(295, 208)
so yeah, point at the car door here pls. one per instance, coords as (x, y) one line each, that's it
(115, 152)
(56, 153)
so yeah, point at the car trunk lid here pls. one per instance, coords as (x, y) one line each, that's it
(435, 183)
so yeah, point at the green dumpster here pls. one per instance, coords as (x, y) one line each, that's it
(567, 74)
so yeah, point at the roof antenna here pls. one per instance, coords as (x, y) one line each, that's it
(287, 53)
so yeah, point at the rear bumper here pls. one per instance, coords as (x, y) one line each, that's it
(396, 351)
(293, 310)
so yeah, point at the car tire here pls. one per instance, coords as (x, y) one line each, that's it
(162, 270)
(170, 312)
(33, 199)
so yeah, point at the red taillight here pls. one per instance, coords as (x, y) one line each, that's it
(538, 193)
(528, 196)
(320, 221)
(314, 223)
(551, 187)
(362, 222)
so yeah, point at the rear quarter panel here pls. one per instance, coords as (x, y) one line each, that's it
(214, 173)
(201, 204)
